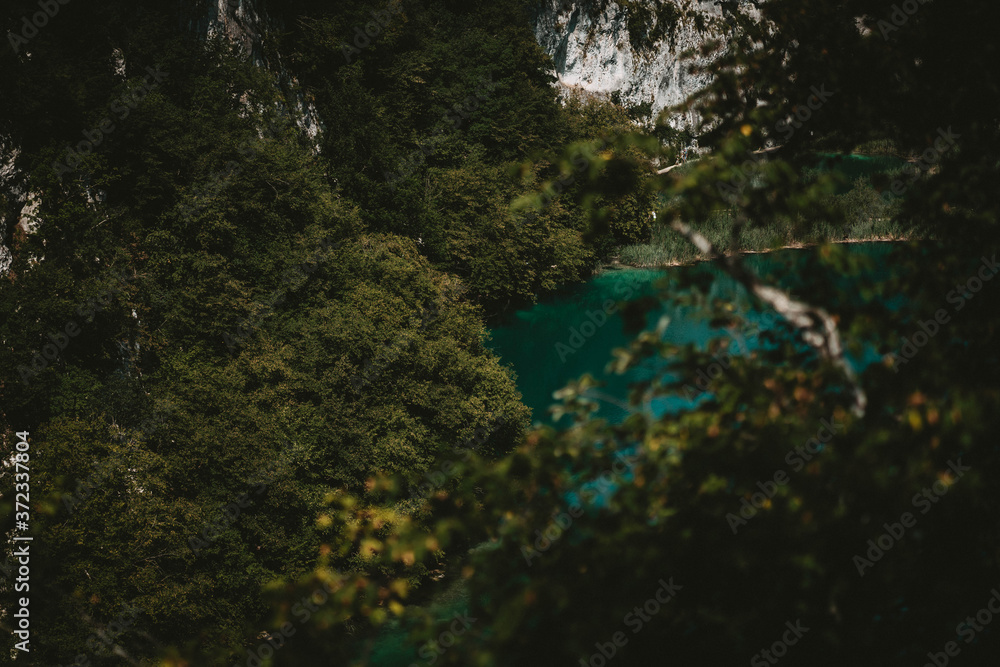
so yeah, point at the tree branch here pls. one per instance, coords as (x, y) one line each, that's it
(818, 328)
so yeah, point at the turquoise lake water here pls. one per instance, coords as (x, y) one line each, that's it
(557, 340)
(537, 343)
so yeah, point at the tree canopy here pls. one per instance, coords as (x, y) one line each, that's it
(280, 389)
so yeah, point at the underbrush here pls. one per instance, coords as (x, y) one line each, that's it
(866, 216)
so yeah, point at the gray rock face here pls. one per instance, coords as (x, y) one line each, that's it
(593, 53)
(590, 47)
(16, 210)
(246, 24)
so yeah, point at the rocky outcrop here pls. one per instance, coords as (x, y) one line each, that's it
(17, 208)
(598, 48)
(7, 156)
(246, 24)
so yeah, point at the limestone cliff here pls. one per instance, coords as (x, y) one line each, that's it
(630, 50)
(246, 24)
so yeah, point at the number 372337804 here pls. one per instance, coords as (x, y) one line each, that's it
(21, 479)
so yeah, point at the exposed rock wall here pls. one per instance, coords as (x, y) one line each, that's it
(8, 190)
(246, 24)
(594, 52)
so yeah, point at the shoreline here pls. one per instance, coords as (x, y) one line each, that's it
(617, 265)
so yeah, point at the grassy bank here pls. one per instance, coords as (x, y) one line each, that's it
(667, 248)
(865, 216)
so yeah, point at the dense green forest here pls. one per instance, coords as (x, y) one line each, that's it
(265, 419)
